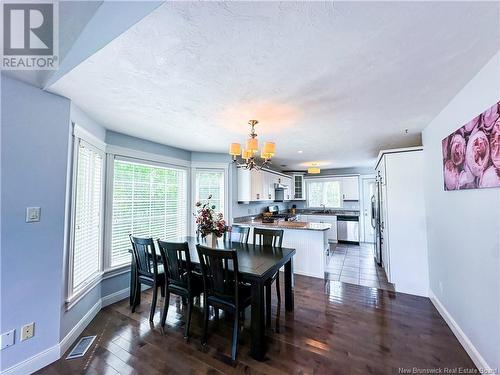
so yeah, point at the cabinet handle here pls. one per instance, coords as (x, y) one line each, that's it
(258, 196)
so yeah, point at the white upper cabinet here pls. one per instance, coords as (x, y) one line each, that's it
(244, 185)
(350, 188)
(297, 191)
(256, 186)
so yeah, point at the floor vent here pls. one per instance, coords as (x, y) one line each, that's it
(81, 347)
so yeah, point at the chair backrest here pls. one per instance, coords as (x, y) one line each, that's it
(219, 278)
(177, 262)
(268, 237)
(237, 233)
(145, 256)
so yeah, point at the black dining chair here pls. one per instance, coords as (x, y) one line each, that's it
(237, 233)
(222, 288)
(148, 270)
(180, 277)
(274, 238)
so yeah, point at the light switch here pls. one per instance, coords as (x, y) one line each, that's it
(32, 214)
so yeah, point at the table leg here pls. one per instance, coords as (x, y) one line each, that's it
(258, 345)
(289, 286)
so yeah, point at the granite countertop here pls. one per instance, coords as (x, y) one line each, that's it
(301, 225)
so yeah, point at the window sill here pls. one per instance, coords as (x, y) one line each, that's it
(115, 271)
(109, 273)
(77, 297)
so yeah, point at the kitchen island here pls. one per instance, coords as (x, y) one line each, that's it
(309, 239)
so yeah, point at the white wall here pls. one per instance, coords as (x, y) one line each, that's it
(464, 227)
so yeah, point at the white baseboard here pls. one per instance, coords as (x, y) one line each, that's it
(71, 337)
(35, 362)
(115, 297)
(469, 347)
(54, 353)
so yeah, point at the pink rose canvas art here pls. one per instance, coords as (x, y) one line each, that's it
(471, 154)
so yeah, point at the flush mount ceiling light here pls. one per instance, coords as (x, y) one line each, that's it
(313, 169)
(248, 159)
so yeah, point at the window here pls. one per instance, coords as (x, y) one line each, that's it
(86, 229)
(148, 201)
(210, 182)
(324, 192)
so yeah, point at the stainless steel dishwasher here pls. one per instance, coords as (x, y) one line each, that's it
(348, 229)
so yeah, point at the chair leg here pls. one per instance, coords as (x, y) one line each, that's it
(162, 290)
(236, 331)
(165, 308)
(216, 313)
(278, 286)
(268, 305)
(188, 322)
(205, 322)
(153, 303)
(137, 289)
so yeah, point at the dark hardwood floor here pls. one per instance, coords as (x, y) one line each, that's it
(336, 328)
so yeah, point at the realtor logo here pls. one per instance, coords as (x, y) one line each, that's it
(29, 36)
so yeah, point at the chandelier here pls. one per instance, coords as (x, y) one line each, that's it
(247, 157)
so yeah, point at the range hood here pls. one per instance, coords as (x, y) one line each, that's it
(280, 187)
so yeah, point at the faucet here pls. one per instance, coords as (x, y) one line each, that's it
(324, 207)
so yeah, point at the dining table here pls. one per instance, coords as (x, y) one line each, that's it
(256, 265)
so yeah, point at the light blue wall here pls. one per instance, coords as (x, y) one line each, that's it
(35, 132)
(122, 140)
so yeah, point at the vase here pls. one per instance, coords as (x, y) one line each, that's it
(211, 240)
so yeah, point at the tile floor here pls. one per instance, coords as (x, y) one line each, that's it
(355, 264)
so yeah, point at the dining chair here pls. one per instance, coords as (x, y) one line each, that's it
(180, 277)
(274, 238)
(237, 233)
(148, 269)
(222, 288)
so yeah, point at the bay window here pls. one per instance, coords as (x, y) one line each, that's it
(87, 217)
(149, 200)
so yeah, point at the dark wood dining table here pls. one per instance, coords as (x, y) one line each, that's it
(257, 264)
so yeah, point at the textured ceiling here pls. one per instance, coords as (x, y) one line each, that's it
(338, 81)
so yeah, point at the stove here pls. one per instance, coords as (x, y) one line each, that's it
(276, 215)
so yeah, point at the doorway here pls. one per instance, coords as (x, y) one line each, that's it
(368, 193)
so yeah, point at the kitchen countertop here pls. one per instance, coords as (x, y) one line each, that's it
(329, 213)
(301, 225)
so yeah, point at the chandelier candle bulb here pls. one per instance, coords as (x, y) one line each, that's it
(247, 154)
(269, 148)
(253, 144)
(235, 149)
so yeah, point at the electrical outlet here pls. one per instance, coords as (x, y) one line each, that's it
(32, 214)
(27, 331)
(7, 339)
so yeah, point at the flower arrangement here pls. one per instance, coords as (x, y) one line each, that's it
(208, 221)
(471, 154)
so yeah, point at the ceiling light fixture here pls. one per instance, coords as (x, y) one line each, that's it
(252, 147)
(300, 151)
(313, 169)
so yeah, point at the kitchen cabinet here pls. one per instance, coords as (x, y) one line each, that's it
(297, 187)
(257, 186)
(350, 188)
(329, 219)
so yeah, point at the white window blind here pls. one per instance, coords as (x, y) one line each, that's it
(87, 237)
(324, 192)
(210, 182)
(148, 201)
